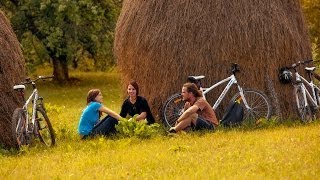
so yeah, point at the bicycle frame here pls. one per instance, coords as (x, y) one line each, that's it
(33, 97)
(306, 94)
(231, 81)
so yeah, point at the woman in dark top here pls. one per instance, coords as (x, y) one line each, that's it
(135, 104)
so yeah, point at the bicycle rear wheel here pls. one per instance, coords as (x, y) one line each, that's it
(172, 110)
(259, 106)
(304, 111)
(44, 128)
(18, 126)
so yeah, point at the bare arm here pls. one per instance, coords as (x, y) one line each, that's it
(190, 111)
(110, 112)
(141, 116)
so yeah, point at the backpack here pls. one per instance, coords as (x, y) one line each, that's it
(233, 115)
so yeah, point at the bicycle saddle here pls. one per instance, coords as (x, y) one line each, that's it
(310, 68)
(17, 87)
(196, 77)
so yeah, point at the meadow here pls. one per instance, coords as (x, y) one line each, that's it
(273, 151)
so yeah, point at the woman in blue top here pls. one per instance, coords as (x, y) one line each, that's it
(136, 105)
(89, 124)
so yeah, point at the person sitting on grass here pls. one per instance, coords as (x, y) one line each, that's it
(136, 105)
(197, 111)
(89, 124)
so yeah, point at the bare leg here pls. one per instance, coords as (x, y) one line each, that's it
(186, 122)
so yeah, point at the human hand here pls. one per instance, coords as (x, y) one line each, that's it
(122, 119)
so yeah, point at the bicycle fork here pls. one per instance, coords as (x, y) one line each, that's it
(243, 98)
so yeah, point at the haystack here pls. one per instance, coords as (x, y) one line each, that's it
(159, 43)
(11, 71)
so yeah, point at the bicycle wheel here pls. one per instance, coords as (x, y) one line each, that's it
(172, 110)
(44, 128)
(303, 110)
(18, 125)
(259, 106)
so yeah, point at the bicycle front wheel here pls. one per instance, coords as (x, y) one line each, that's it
(259, 106)
(172, 110)
(18, 125)
(303, 109)
(44, 128)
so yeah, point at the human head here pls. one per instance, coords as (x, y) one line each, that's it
(133, 88)
(94, 95)
(188, 89)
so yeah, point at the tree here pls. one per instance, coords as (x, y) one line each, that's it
(11, 71)
(67, 30)
(159, 43)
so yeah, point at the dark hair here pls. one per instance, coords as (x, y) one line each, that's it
(92, 94)
(191, 87)
(135, 85)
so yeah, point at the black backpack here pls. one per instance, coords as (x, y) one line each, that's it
(233, 115)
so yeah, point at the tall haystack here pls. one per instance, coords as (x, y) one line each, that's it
(11, 71)
(159, 43)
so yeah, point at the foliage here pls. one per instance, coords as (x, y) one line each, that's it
(133, 128)
(71, 31)
(311, 9)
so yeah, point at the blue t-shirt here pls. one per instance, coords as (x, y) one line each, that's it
(89, 118)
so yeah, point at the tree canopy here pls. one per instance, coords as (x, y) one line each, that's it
(64, 31)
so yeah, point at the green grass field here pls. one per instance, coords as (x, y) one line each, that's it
(284, 151)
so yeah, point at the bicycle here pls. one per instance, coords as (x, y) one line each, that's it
(256, 104)
(30, 122)
(307, 102)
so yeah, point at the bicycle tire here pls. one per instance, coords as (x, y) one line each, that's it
(303, 111)
(18, 125)
(172, 110)
(44, 128)
(260, 106)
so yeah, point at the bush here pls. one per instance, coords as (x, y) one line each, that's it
(133, 128)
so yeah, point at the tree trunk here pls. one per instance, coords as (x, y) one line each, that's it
(159, 43)
(60, 69)
(12, 71)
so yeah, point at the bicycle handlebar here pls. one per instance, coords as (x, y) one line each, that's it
(300, 63)
(29, 81)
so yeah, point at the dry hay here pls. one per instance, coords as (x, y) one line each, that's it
(159, 43)
(11, 71)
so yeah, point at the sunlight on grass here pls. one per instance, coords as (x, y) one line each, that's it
(274, 152)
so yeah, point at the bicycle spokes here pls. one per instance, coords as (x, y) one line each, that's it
(20, 132)
(44, 128)
(173, 109)
(258, 106)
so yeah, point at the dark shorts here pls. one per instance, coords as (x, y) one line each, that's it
(203, 124)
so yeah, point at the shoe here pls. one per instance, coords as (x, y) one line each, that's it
(172, 130)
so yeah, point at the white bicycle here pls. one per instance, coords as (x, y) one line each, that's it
(256, 104)
(306, 93)
(31, 120)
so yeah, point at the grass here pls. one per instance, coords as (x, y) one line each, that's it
(278, 151)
